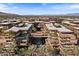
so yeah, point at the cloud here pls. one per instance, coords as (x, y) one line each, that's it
(15, 7)
(74, 6)
(44, 8)
(10, 4)
(7, 7)
(66, 7)
(3, 7)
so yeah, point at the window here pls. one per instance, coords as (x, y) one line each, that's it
(1, 44)
(8, 40)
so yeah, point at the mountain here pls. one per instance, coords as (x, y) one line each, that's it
(11, 14)
(4, 15)
(72, 14)
(8, 14)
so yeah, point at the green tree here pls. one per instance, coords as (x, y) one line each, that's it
(34, 29)
(56, 51)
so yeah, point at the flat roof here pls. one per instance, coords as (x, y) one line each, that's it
(77, 28)
(16, 29)
(67, 22)
(50, 26)
(63, 29)
(5, 23)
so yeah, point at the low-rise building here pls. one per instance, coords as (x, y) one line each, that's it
(22, 33)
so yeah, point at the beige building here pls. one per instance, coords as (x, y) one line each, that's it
(64, 36)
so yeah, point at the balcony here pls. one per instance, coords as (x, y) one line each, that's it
(39, 34)
(23, 44)
(21, 36)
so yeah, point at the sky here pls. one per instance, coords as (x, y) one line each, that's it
(39, 8)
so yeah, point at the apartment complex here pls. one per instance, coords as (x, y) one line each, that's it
(57, 33)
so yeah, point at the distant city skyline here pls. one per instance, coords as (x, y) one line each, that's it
(39, 8)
